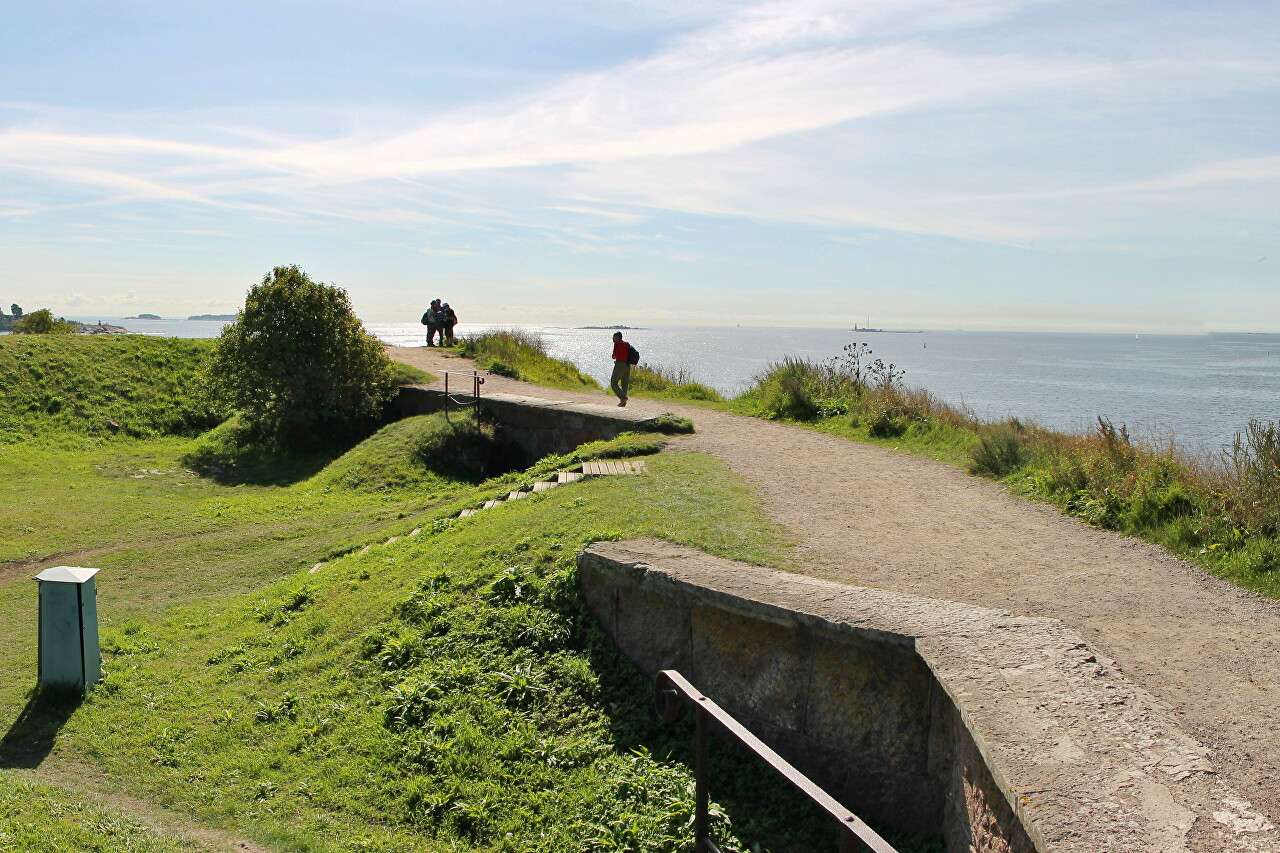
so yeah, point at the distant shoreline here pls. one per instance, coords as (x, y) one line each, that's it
(227, 317)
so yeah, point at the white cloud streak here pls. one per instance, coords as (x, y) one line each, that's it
(689, 128)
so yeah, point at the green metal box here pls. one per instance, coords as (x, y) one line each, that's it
(69, 654)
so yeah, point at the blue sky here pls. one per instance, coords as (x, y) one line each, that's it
(1007, 164)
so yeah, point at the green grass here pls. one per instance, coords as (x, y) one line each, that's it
(407, 374)
(665, 384)
(521, 355)
(446, 690)
(36, 817)
(103, 385)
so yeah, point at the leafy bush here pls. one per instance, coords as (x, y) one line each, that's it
(42, 322)
(299, 365)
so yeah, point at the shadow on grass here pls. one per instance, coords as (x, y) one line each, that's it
(257, 466)
(31, 737)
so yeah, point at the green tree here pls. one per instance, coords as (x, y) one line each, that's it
(15, 311)
(42, 322)
(299, 366)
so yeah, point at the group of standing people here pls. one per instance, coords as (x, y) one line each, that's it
(439, 320)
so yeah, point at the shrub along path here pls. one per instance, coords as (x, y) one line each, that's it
(866, 515)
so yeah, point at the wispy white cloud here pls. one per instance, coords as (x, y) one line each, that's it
(815, 112)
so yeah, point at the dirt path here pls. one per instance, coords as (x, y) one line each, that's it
(867, 515)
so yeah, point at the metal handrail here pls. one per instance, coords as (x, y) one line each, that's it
(672, 691)
(476, 381)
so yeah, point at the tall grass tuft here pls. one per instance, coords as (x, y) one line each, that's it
(998, 454)
(1252, 495)
(670, 383)
(522, 355)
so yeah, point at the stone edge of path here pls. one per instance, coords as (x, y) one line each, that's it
(1088, 760)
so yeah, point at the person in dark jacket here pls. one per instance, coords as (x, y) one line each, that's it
(448, 319)
(432, 320)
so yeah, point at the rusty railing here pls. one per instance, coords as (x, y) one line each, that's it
(476, 381)
(672, 692)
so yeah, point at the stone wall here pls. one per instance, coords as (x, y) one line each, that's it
(537, 427)
(1002, 734)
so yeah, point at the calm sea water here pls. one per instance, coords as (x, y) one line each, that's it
(1197, 389)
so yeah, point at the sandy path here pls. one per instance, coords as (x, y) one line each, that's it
(867, 515)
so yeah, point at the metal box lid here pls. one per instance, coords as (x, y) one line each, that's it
(66, 574)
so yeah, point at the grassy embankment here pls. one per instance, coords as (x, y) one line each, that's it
(523, 355)
(445, 691)
(1221, 513)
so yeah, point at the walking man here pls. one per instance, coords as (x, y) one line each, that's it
(621, 377)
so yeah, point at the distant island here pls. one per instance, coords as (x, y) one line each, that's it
(628, 328)
(857, 328)
(145, 317)
(227, 317)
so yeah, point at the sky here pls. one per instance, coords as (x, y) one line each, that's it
(986, 164)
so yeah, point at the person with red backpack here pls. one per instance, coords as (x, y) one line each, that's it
(624, 355)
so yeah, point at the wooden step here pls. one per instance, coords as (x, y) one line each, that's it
(568, 476)
(491, 504)
(516, 495)
(544, 485)
(468, 512)
(607, 467)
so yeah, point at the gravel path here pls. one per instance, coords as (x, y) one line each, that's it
(869, 516)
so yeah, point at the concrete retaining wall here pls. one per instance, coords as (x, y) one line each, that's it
(1002, 734)
(537, 427)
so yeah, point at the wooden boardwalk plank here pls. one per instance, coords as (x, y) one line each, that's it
(543, 485)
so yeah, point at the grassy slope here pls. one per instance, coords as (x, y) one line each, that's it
(523, 356)
(444, 692)
(272, 707)
(103, 385)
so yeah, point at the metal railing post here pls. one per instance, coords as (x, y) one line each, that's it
(476, 381)
(701, 796)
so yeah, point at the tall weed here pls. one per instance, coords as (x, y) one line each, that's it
(521, 354)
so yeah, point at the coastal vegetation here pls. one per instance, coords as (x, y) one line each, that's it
(650, 380)
(6, 320)
(306, 648)
(42, 322)
(1222, 513)
(523, 355)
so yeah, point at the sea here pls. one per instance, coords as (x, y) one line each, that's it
(1197, 391)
